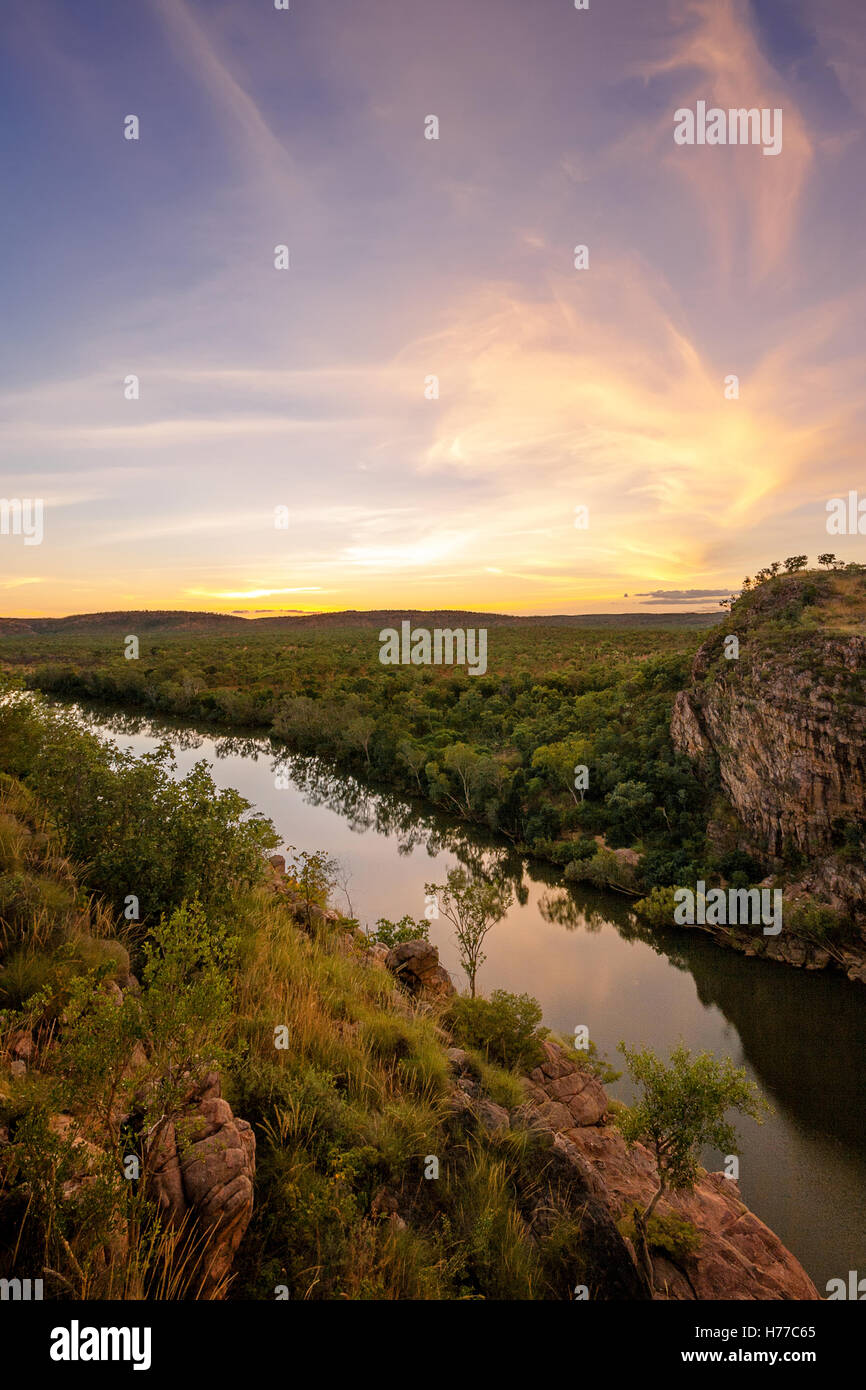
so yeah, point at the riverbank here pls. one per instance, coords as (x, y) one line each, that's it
(588, 960)
(499, 753)
(294, 1124)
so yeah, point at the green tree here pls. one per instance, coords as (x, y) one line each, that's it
(392, 934)
(180, 1021)
(314, 876)
(630, 804)
(473, 904)
(560, 760)
(413, 756)
(683, 1107)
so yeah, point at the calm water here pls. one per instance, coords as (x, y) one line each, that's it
(586, 959)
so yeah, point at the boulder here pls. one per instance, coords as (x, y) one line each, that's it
(22, 1044)
(203, 1170)
(416, 965)
(490, 1115)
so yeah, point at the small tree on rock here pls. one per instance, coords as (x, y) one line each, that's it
(473, 904)
(684, 1106)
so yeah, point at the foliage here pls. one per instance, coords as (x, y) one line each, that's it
(658, 908)
(392, 934)
(505, 1027)
(312, 875)
(684, 1107)
(666, 1232)
(473, 904)
(604, 870)
(140, 830)
(182, 1015)
(497, 750)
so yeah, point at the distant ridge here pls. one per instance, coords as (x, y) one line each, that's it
(181, 621)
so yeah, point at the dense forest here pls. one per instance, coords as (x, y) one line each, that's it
(501, 750)
(126, 1035)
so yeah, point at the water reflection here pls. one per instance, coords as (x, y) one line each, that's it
(588, 959)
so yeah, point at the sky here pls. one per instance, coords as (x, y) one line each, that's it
(303, 396)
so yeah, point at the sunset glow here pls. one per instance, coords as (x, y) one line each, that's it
(410, 258)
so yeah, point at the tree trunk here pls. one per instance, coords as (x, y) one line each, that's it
(652, 1206)
(642, 1245)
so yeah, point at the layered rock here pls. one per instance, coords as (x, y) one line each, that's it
(739, 1257)
(784, 724)
(791, 754)
(416, 965)
(202, 1177)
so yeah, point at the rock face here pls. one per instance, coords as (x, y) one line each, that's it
(203, 1174)
(416, 965)
(785, 723)
(739, 1257)
(566, 1096)
(792, 759)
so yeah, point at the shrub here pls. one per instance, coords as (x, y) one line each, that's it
(505, 1027)
(671, 1234)
(134, 824)
(391, 934)
(818, 923)
(23, 974)
(500, 1085)
(657, 909)
(604, 870)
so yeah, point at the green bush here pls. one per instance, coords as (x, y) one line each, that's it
(138, 829)
(819, 924)
(668, 1233)
(657, 909)
(23, 974)
(604, 870)
(392, 934)
(501, 1085)
(504, 1027)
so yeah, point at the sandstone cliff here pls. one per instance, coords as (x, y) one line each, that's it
(782, 725)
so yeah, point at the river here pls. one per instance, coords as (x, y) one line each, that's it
(583, 955)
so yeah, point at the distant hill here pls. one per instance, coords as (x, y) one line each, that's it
(166, 620)
(169, 620)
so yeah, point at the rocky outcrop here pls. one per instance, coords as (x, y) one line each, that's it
(416, 965)
(566, 1096)
(783, 727)
(202, 1177)
(607, 1269)
(791, 754)
(739, 1257)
